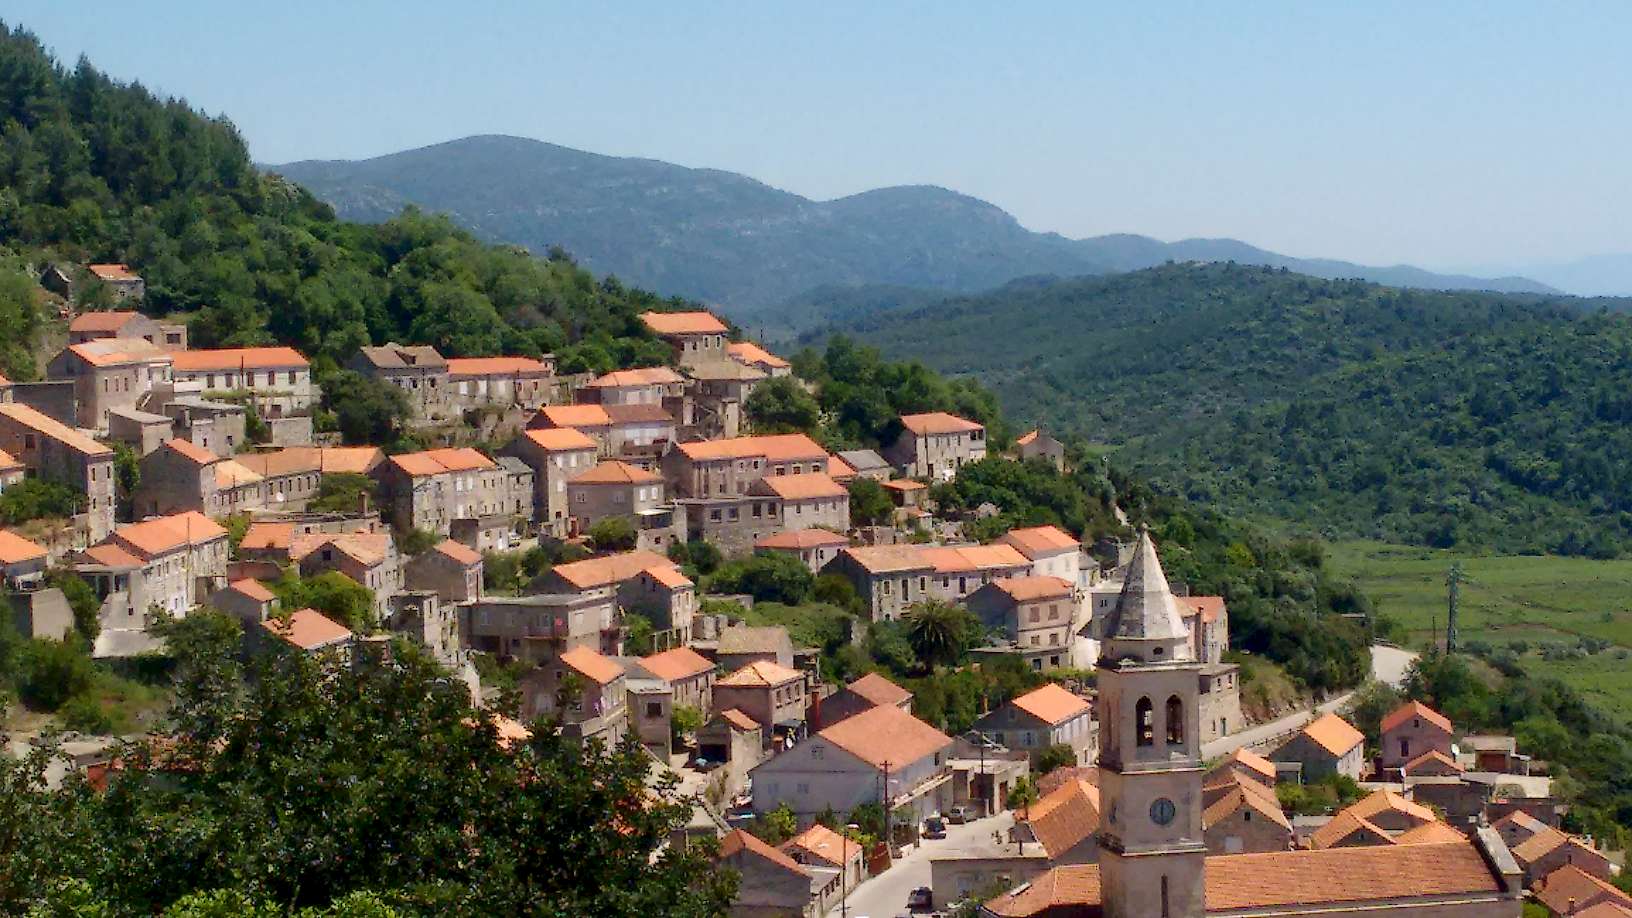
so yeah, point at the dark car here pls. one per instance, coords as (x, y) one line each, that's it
(934, 827)
(921, 899)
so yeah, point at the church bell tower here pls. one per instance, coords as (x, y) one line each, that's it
(1152, 855)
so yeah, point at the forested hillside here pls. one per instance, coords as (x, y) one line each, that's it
(95, 170)
(1437, 417)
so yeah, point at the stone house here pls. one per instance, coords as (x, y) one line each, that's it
(771, 884)
(726, 468)
(249, 601)
(822, 848)
(1411, 730)
(418, 370)
(555, 455)
(1052, 551)
(740, 645)
(1036, 614)
(278, 378)
(423, 617)
(481, 382)
(637, 432)
(51, 450)
(1246, 818)
(1246, 764)
(1549, 849)
(538, 627)
(814, 548)
(862, 694)
(450, 570)
(866, 464)
(176, 477)
(1569, 890)
(1037, 444)
(431, 489)
(688, 674)
(750, 354)
(142, 431)
(891, 578)
(37, 611)
(772, 695)
(1044, 717)
(719, 392)
(736, 740)
(639, 580)
(696, 337)
(641, 386)
(368, 558)
(120, 279)
(109, 374)
(171, 562)
(1064, 821)
(591, 703)
(883, 755)
(935, 445)
(618, 489)
(1219, 703)
(651, 708)
(11, 471)
(807, 501)
(217, 426)
(92, 326)
(1208, 619)
(1327, 745)
(310, 632)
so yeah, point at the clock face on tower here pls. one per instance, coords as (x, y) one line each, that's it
(1162, 811)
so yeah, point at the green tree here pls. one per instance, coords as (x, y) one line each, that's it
(332, 593)
(870, 503)
(344, 492)
(613, 533)
(940, 632)
(369, 412)
(417, 542)
(770, 577)
(781, 405)
(685, 720)
(1058, 755)
(37, 498)
(1023, 794)
(82, 600)
(51, 672)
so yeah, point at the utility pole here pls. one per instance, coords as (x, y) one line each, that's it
(889, 828)
(1453, 581)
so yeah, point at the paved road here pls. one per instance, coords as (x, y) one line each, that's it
(885, 895)
(1388, 664)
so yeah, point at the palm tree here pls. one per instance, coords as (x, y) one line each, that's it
(937, 630)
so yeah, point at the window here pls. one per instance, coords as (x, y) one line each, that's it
(1144, 719)
(1175, 721)
(654, 709)
(1405, 748)
(1034, 615)
(1165, 912)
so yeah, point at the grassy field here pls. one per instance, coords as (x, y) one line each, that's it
(1535, 601)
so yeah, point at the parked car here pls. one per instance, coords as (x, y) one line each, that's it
(959, 815)
(934, 827)
(921, 899)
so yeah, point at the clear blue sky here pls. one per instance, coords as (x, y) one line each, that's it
(1440, 133)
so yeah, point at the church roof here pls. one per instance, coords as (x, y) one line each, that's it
(1145, 611)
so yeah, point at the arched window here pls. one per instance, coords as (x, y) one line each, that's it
(1175, 721)
(1144, 717)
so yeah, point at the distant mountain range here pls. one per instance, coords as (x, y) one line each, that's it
(728, 239)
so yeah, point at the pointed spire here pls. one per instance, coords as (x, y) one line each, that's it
(1145, 611)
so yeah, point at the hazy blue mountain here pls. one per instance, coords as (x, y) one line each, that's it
(729, 239)
(1597, 275)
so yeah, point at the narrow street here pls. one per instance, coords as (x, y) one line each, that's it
(885, 895)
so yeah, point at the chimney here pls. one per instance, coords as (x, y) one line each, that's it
(362, 502)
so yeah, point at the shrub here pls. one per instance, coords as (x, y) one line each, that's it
(53, 672)
(1058, 755)
(614, 533)
(768, 578)
(36, 498)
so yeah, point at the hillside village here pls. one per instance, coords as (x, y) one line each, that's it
(202, 482)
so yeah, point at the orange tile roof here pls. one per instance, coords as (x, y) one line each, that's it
(579, 416)
(356, 459)
(773, 447)
(903, 484)
(254, 589)
(1416, 709)
(751, 353)
(1542, 843)
(611, 471)
(1334, 734)
(938, 422)
(802, 538)
(1026, 438)
(1346, 826)
(230, 473)
(683, 323)
(738, 719)
(879, 690)
(1291, 879)
(1027, 589)
(1569, 887)
(642, 376)
(117, 271)
(678, 663)
(738, 841)
(1252, 761)
(248, 358)
(1432, 756)
(813, 486)
(191, 451)
(50, 427)
(112, 352)
(559, 439)
(1041, 540)
(669, 577)
(439, 461)
(308, 629)
(823, 843)
(888, 559)
(838, 469)
(971, 558)
(1379, 802)
(1609, 908)
(14, 549)
(458, 551)
(112, 320)
(1052, 704)
(366, 548)
(7, 460)
(886, 734)
(168, 533)
(268, 535)
(592, 665)
(1064, 816)
(494, 366)
(760, 674)
(611, 569)
(1242, 796)
(1429, 833)
(111, 555)
(1208, 607)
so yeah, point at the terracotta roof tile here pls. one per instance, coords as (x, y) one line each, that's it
(459, 552)
(1378, 802)
(738, 719)
(888, 559)
(938, 422)
(1334, 734)
(739, 842)
(1061, 819)
(1349, 828)
(1539, 844)
(249, 358)
(495, 366)
(904, 484)
(773, 447)
(191, 451)
(879, 690)
(439, 461)
(592, 665)
(751, 353)
(1431, 757)
(1242, 797)
(1208, 607)
(886, 734)
(838, 469)
(14, 549)
(308, 629)
(760, 674)
(825, 844)
(1027, 438)
(366, 548)
(803, 538)
(1027, 589)
(109, 321)
(112, 352)
(578, 416)
(669, 577)
(110, 555)
(7, 460)
(972, 558)
(117, 271)
(1052, 704)
(643, 376)
(168, 533)
(683, 323)
(1429, 833)
(799, 487)
(1041, 540)
(611, 569)
(230, 473)
(50, 427)
(1609, 908)
(611, 471)
(1251, 761)
(678, 663)
(559, 439)
(1569, 887)
(268, 536)
(1416, 709)
(254, 589)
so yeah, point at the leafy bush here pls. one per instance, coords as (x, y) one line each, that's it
(772, 577)
(51, 672)
(37, 498)
(613, 533)
(1058, 755)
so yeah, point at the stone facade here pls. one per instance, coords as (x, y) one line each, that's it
(277, 378)
(556, 456)
(53, 451)
(419, 371)
(110, 374)
(486, 382)
(934, 446)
